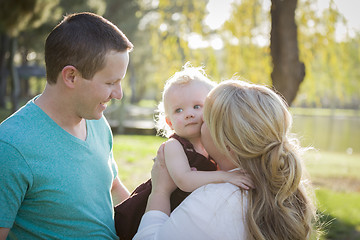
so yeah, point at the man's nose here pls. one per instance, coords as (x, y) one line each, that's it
(117, 92)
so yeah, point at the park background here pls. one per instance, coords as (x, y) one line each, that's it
(229, 38)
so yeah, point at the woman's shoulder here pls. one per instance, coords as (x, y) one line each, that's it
(220, 191)
(217, 196)
(215, 209)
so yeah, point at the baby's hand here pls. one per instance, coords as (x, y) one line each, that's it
(240, 179)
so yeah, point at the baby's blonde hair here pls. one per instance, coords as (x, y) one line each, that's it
(187, 75)
(254, 122)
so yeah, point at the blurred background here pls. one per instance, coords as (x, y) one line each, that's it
(318, 41)
(308, 50)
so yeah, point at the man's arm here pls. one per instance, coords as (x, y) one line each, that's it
(15, 178)
(119, 192)
(3, 233)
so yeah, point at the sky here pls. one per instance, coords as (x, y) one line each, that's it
(219, 11)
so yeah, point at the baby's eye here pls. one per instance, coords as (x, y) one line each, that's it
(111, 83)
(179, 110)
(197, 107)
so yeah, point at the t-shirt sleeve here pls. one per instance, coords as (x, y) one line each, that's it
(15, 179)
(110, 138)
(114, 166)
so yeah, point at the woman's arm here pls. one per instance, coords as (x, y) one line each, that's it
(214, 211)
(162, 185)
(188, 180)
(155, 223)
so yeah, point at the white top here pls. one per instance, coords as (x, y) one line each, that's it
(213, 211)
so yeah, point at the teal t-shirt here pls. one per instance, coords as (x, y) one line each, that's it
(52, 184)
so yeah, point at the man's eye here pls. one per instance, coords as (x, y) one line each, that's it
(179, 110)
(197, 107)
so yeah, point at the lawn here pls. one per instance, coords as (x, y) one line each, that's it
(335, 175)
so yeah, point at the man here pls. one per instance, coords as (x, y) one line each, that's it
(58, 177)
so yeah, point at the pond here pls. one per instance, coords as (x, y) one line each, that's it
(324, 129)
(337, 133)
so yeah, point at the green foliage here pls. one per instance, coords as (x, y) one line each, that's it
(331, 80)
(74, 6)
(165, 28)
(16, 17)
(244, 56)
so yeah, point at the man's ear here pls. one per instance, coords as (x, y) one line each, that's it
(168, 122)
(68, 74)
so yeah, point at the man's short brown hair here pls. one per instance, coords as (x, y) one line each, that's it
(82, 40)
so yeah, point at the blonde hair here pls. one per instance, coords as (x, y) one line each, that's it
(187, 75)
(253, 121)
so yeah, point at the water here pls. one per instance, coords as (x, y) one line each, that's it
(329, 133)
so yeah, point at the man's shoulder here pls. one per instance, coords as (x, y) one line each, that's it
(18, 125)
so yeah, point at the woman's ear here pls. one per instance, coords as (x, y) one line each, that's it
(168, 122)
(68, 74)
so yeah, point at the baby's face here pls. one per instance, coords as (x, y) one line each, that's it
(184, 108)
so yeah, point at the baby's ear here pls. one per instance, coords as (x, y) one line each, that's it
(168, 122)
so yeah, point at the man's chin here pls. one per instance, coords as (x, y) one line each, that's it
(96, 116)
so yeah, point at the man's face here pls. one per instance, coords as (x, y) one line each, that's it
(94, 94)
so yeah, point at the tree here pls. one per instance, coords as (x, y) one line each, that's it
(169, 26)
(14, 18)
(288, 71)
(125, 14)
(244, 54)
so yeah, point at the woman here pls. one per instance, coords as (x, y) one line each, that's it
(246, 126)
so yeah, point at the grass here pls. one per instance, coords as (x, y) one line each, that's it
(333, 164)
(341, 210)
(133, 154)
(334, 170)
(335, 176)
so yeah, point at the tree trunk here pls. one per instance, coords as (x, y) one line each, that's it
(24, 81)
(14, 77)
(288, 71)
(4, 46)
(134, 97)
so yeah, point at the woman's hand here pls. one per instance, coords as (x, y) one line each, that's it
(162, 185)
(161, 180)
